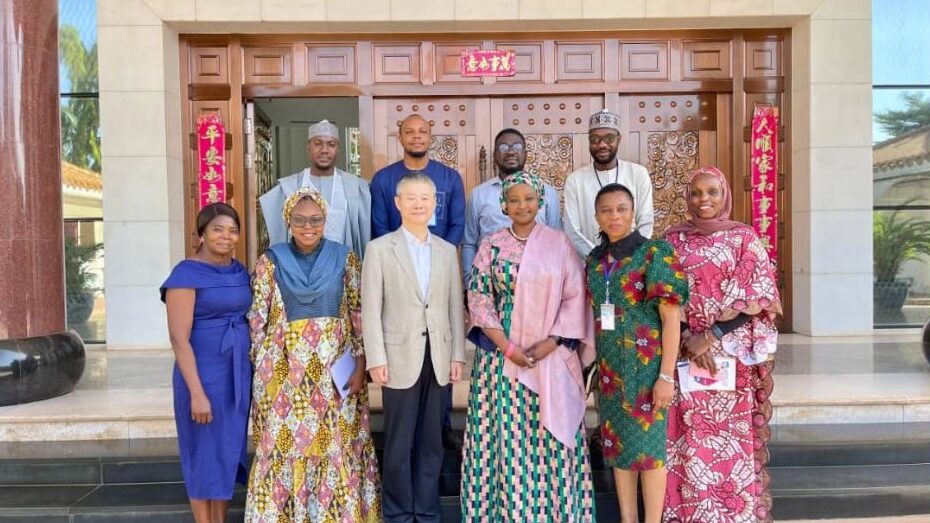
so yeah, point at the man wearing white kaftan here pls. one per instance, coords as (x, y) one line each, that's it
(348, 220)
(582, 186)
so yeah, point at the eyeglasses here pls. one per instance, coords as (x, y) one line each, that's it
(609, 139)
(504, 148)
(303, 221)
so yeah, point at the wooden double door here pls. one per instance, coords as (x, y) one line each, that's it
(669, 134)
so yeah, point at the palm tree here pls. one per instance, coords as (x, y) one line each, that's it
(80, 116)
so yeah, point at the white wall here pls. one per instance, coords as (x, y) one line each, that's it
(831, 126)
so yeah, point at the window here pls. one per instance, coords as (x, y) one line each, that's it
(901, 161)
(82, 182)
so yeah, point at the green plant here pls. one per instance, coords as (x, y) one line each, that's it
(78, 276)
(897, 239)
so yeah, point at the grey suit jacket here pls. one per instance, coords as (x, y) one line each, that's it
(395, 316)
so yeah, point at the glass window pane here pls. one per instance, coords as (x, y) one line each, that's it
(77, 46)
(82, 183)
(902, 267)
(900, 42)
(84, 262)
(898, 111)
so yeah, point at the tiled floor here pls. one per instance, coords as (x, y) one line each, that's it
(865, 379)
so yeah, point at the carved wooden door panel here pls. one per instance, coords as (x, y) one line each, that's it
(672, 135)
(459, 126)
(556, 131)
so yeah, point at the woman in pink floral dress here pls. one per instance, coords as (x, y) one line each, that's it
(717, 438)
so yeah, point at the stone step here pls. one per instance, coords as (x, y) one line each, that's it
(817, 472)
(868, 491)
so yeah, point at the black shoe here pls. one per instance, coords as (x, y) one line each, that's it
(450, 439)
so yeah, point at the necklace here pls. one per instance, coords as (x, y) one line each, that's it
(519, 238)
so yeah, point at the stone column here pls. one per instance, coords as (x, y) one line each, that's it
(39, 359)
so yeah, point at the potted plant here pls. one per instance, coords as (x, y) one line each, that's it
(896, 239)
(79, 280)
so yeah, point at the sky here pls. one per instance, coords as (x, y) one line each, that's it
(900, 52)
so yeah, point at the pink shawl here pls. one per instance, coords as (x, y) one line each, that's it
(721, 222)
(550, 301)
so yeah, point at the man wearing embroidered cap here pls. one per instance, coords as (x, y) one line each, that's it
(582, 186)
(348, 220)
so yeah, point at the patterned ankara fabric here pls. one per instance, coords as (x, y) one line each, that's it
(298, 196)
(513, 468)
(718, 439)
(314, 456)
(633, 434)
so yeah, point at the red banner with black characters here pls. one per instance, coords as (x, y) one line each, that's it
(495, 62)
(211, 159)
(764, 162)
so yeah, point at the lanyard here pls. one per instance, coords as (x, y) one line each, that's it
(607, 273)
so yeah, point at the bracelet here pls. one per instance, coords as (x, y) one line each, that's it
(511, 347)
(666, 378)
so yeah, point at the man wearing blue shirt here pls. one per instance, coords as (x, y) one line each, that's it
(484, 215)
(447, 222)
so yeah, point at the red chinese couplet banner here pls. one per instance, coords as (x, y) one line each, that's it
(764, 163)
(496, 62)
(211, 162)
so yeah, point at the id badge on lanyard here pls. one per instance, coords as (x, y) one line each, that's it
(608, 311)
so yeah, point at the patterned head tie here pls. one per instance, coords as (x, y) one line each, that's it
(604, 119)
(519, 178)
(323, 128)
(304, 193)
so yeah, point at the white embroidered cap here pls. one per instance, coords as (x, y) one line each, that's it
(323, 128)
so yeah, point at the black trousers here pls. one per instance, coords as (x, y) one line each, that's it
(413, 449)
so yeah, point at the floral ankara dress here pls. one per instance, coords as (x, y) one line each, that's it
(314, 456)
(633, 434)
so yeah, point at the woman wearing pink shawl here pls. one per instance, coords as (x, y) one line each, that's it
(525, 456)
(717, 438)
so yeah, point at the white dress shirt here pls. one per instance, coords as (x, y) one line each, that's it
(420, 255)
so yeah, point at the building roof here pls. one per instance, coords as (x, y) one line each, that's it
(902, 151)
(74, 177)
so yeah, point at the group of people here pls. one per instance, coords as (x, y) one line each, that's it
(387, 281)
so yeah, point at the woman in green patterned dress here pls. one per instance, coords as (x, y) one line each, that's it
(525, 458)
(636, 287)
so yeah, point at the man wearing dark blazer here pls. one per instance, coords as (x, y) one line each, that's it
(413, 327)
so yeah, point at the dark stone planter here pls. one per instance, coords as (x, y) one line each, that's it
(926, 341)
(40, 367)
(890, 296)
(80, 307)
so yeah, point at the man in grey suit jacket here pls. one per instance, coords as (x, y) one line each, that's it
(412, 324)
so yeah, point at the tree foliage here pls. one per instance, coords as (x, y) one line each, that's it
(915, 114)
(80, 117)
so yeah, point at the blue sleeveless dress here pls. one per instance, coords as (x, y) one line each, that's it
(214, 455)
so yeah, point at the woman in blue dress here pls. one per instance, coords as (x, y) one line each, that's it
(207, 297)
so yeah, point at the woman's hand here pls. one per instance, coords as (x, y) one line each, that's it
(542, 348)
(357, 382)
(707, 362)
(696, 345)
(200, 409)
(521, 359)
(662, 394)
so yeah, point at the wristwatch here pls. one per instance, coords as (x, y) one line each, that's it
(666, 378)
(716, 331)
